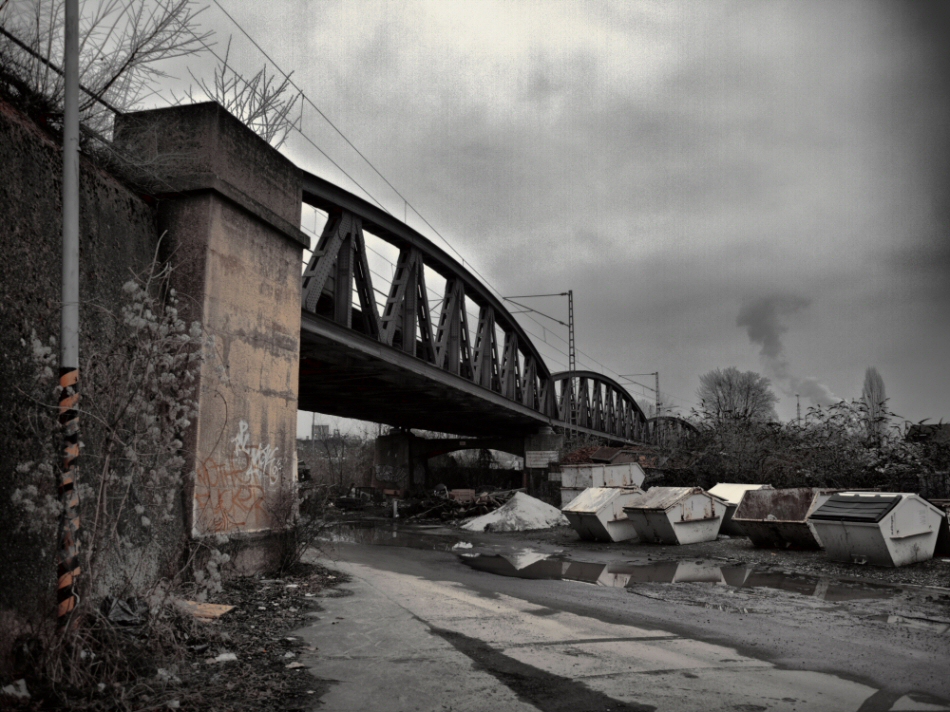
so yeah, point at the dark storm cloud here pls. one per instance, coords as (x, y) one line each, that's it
(918, 110)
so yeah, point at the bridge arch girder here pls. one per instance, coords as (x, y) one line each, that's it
(593, 400)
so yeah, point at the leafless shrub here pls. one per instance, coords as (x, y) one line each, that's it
(831, 448)
(262, 103)
(298, 512)
(339, 460)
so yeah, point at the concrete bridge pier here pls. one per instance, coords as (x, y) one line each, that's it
(401, 458)
(229, 205)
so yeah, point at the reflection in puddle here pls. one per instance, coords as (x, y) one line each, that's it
(624, 574)
(532, 564)
(377, 534)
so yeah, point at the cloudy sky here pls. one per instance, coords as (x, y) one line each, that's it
(753, 184)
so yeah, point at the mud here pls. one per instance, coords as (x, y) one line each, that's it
(740, 551)
(729, 555)
(624, 575)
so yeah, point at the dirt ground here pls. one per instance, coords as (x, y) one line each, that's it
(915, 596)
(247, 659)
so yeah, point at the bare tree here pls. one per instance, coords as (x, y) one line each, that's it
(123, 44)
(730, 394)
(339, 460)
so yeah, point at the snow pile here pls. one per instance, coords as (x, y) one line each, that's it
(518, 514)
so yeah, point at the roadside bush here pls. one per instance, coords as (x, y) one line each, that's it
(834, 447)
(299, 514)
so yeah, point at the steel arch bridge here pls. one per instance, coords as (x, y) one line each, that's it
(398, 365)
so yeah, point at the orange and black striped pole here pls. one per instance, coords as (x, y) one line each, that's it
(68, 568)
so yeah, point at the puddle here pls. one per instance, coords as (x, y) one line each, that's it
(620, 575)
(384, 534)
(532, 564)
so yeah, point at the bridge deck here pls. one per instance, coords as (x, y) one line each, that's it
(384, 384)
(345, 373)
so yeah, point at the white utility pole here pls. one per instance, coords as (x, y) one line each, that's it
(68, 567)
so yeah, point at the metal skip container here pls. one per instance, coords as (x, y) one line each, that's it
(731, 495)
(576, 478)
(879, 528)
(775, 518)
(675, 515)
(943, 537)
(597, 513)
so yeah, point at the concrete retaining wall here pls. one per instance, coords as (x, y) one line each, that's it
(118, 236)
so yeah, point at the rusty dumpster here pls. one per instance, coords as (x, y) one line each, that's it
(776, 518)
(731, 495)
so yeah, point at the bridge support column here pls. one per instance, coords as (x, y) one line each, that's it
(400, 462)
(540, 450)
(229, 205)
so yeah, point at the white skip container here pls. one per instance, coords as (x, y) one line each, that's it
(676, 515)
(576, 478)
(880, 528)
(597, 513)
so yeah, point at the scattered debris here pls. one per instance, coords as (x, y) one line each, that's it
(462, 496)
(129, 614)
(202, 611)
(521, 513)
(225, 658)
(460, 504)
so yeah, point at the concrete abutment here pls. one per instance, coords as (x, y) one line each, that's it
(229, 205)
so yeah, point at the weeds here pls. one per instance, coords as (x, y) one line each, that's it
(298, 511)
(139, 390)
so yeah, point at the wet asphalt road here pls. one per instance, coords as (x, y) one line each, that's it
(423, 631)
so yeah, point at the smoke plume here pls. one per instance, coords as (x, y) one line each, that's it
(764, 321)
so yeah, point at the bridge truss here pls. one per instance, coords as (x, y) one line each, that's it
(430, 373)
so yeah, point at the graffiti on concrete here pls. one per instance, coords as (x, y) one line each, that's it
(230, 495)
